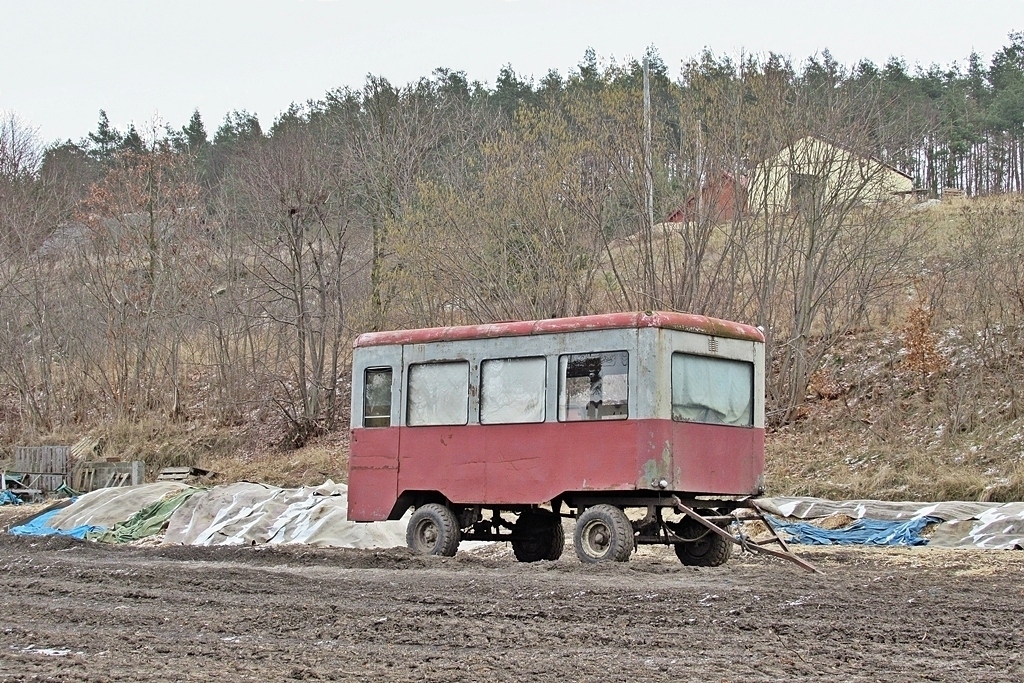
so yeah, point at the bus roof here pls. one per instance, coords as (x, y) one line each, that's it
(685, 322)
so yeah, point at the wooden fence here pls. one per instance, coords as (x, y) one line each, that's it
(46, 466)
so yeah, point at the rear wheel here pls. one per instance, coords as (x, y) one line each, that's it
(538, 536)
(711, 550)
(603, 534)
(433, 530)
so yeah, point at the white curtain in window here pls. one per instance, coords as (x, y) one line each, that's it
(712, 390)
(438, 394)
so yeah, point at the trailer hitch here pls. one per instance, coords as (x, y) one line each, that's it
(742, 541)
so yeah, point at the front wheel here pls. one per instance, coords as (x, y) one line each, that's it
(603, 534)
(433, 530)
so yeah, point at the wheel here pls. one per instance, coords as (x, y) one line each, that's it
(538, 536)
(603, 534)
(711, 550)
(433, 530)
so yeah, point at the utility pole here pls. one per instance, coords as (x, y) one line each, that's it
(647, 247)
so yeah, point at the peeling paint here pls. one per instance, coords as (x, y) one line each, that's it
(656, 469)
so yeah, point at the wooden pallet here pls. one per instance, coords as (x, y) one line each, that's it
(184, 474)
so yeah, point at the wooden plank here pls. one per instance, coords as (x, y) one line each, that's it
(171, 477)
(45, 465)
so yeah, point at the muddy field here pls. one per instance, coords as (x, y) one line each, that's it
(75, 611)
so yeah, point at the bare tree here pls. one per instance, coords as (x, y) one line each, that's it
(820, 242)
(400, 137)
(22, 215)
(513, 239)
(293, 195)
(30, 326)
(141, 218)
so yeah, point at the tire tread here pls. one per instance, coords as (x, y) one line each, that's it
(717, 555)
(449, 533)
(554, 535)
(623, 542)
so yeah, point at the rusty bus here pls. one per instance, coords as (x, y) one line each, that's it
(499, 431)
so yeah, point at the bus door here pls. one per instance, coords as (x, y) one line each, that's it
(376, 408)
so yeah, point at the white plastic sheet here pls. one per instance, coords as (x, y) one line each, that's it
(250, 514)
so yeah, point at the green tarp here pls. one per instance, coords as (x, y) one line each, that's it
(148, 521)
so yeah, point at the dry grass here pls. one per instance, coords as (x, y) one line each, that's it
(245, 453)
(310, 465)
(847, 461)
(881, 429)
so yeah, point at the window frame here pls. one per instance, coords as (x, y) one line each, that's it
(391, 397)
(563, 378)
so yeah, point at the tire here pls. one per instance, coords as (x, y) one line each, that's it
(603, 534)
(538, 536)
(433, 530)
(709, 551)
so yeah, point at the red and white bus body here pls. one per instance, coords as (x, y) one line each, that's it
(573, 410)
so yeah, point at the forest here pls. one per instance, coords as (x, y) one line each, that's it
(219, 278)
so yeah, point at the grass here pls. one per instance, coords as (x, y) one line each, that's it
(310, 465)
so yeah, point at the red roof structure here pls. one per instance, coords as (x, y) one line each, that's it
(686, 322)
(721, 199)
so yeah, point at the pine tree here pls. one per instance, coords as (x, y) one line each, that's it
(132, 141)
(194, 133)
(106, 140)
(510, 91)
(238, 126)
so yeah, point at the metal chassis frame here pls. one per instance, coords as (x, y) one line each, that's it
(738, 510)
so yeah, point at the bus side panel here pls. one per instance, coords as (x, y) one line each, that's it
(716, 459)
(373, 474)
(531, 464)
(519, 464)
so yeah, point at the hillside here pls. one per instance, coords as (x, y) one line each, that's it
(876, 427)
(923, 402)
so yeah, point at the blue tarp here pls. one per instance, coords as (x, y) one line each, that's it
(8, 498)
(40, 527)
(861, 532)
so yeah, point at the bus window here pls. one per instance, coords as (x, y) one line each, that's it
(512, 390)
(438, 394)
(377, 397)
(712, 390)
(593, 386)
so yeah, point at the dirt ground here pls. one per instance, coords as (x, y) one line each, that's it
(76, 611)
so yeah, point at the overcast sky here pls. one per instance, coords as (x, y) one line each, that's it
(61, 61)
